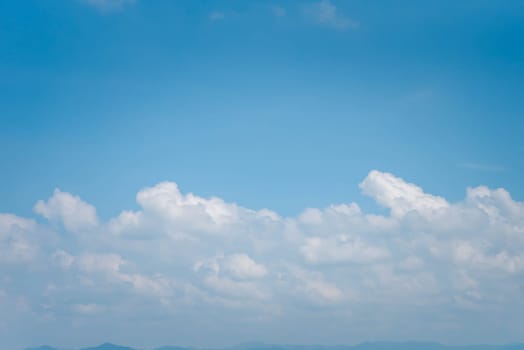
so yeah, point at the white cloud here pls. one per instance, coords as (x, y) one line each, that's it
(341, 249)
(241, 266)
(466, 253)
(102, 263)
(183, 255)
(233, 275)
(16, 245)
(314, 286)
(166, 201)
(326, 14)
(63, 259)
(165, 211)
(399, 196)
(10, 222)
(498, 205)
(75, 214)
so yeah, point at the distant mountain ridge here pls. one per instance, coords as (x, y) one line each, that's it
(108, 346)
(361, 346)
(42, 347)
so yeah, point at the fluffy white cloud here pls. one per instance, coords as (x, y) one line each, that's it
(314, 286)
(166, 201)
(341, 249)
(16, 245)
(100, 263)
(399, 196)
(475, 258)
(182, 254)
(241, 266)
(73, 212)
(233, 275)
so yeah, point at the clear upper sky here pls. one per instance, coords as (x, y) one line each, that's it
(284, 105)
(261, 103)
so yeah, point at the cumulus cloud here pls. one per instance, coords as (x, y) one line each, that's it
(168, 212)
(166, 200)
(341, 249)
(16, 245)
(238, 266)
(183, 254)
(314, 286)
(241, 266)
(73, 212)
(399, 196)
(234, 275)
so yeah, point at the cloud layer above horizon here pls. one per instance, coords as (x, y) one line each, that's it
(429, 267)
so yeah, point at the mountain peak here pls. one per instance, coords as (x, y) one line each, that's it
(109, 346)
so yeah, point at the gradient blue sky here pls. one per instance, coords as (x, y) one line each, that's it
(266, 104)
(265, 110)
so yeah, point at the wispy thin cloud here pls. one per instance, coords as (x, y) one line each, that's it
(109, 5)
(278, 11)
(326, 14)
(482, 167)
(217, 16)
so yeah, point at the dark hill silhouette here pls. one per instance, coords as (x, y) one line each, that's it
(109, 346)
(42, 347)
(362, 346)
(174, 348)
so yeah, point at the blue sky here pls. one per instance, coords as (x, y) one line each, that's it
(256, 107)
(278, 106)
